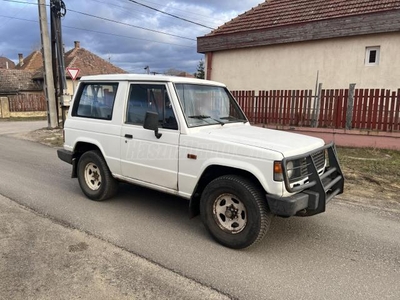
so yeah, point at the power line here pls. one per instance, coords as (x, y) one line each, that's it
(19, 10)
(131, 25)
(24, 2)
(130, 10)
(114, 21)
(185, 11)
(101, 32)
(168, 14)
(125, 36)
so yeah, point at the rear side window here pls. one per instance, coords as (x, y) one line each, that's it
(95, 100)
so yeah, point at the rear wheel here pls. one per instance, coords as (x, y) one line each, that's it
(234, 211)
(95, 178)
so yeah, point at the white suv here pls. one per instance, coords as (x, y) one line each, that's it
(189, 138)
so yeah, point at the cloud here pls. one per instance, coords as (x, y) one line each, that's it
(128, 47)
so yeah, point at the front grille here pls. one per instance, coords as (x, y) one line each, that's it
(319, 159)
(328, 183)
(300, 168)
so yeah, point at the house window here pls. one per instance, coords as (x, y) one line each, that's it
(372, 55)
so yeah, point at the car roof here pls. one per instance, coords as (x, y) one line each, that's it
(149, 78)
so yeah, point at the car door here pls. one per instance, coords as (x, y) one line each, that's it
(145, 157)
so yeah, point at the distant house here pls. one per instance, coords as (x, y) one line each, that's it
(23, 93)
(282, 44)
(87, 63)
(175, 72)
(186, 74)
(23, 85)
(6, 63)
(32, 62)
(13, 82)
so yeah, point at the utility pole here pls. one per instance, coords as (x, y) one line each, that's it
(57, 11)
(48, 87)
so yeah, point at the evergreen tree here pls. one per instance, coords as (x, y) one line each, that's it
(200, 70)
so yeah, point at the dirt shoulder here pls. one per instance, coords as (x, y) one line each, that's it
(372, 175)
(45, 136)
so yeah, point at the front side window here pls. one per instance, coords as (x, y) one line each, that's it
(208, 105)
(95, 100)
(150, 97)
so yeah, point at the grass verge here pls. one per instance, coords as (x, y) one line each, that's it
(371, 173)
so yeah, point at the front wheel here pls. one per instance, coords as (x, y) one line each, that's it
(234, 211)
(95, 178)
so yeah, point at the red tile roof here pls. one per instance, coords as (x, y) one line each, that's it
(89, 63)
(6, 63)
(12, 81)
(276, 13)
(86, 61)
(32, 62)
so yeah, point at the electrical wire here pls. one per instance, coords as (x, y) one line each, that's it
(132, 11)
(168, 14)
(185, 11)
(105, 33)
(113, 21)
(131, 25)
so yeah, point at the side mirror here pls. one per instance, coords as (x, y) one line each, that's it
(151, 123)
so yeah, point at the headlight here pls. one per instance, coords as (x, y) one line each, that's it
(290, 169)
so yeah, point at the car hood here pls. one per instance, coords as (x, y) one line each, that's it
(286, 143)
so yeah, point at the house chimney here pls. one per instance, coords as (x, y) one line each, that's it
(21, 59)
(77, 44)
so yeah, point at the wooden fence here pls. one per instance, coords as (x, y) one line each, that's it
(373, 109)
(27, 102)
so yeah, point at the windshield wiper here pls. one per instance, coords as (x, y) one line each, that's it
(230, 118)
(202, 117)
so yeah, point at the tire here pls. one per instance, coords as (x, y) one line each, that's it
(234, 211)
(95, 178)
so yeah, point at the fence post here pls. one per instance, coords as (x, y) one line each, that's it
(4, 108)
(350, 106)
(317, 104)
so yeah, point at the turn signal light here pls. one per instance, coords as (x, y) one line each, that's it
(278, 172)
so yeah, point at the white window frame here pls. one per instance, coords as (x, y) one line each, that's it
(368, 54)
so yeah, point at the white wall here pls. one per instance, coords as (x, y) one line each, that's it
(294, 66)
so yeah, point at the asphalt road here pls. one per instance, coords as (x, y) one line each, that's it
(349, 252)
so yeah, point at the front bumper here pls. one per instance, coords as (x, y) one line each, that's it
(312, 197)
(298, 204)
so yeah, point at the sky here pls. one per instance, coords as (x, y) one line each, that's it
(109, 29)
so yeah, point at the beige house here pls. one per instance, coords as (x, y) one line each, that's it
(284, 44)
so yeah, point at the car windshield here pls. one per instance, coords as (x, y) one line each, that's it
(205, 105)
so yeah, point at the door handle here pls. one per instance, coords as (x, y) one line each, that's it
(129, 136)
